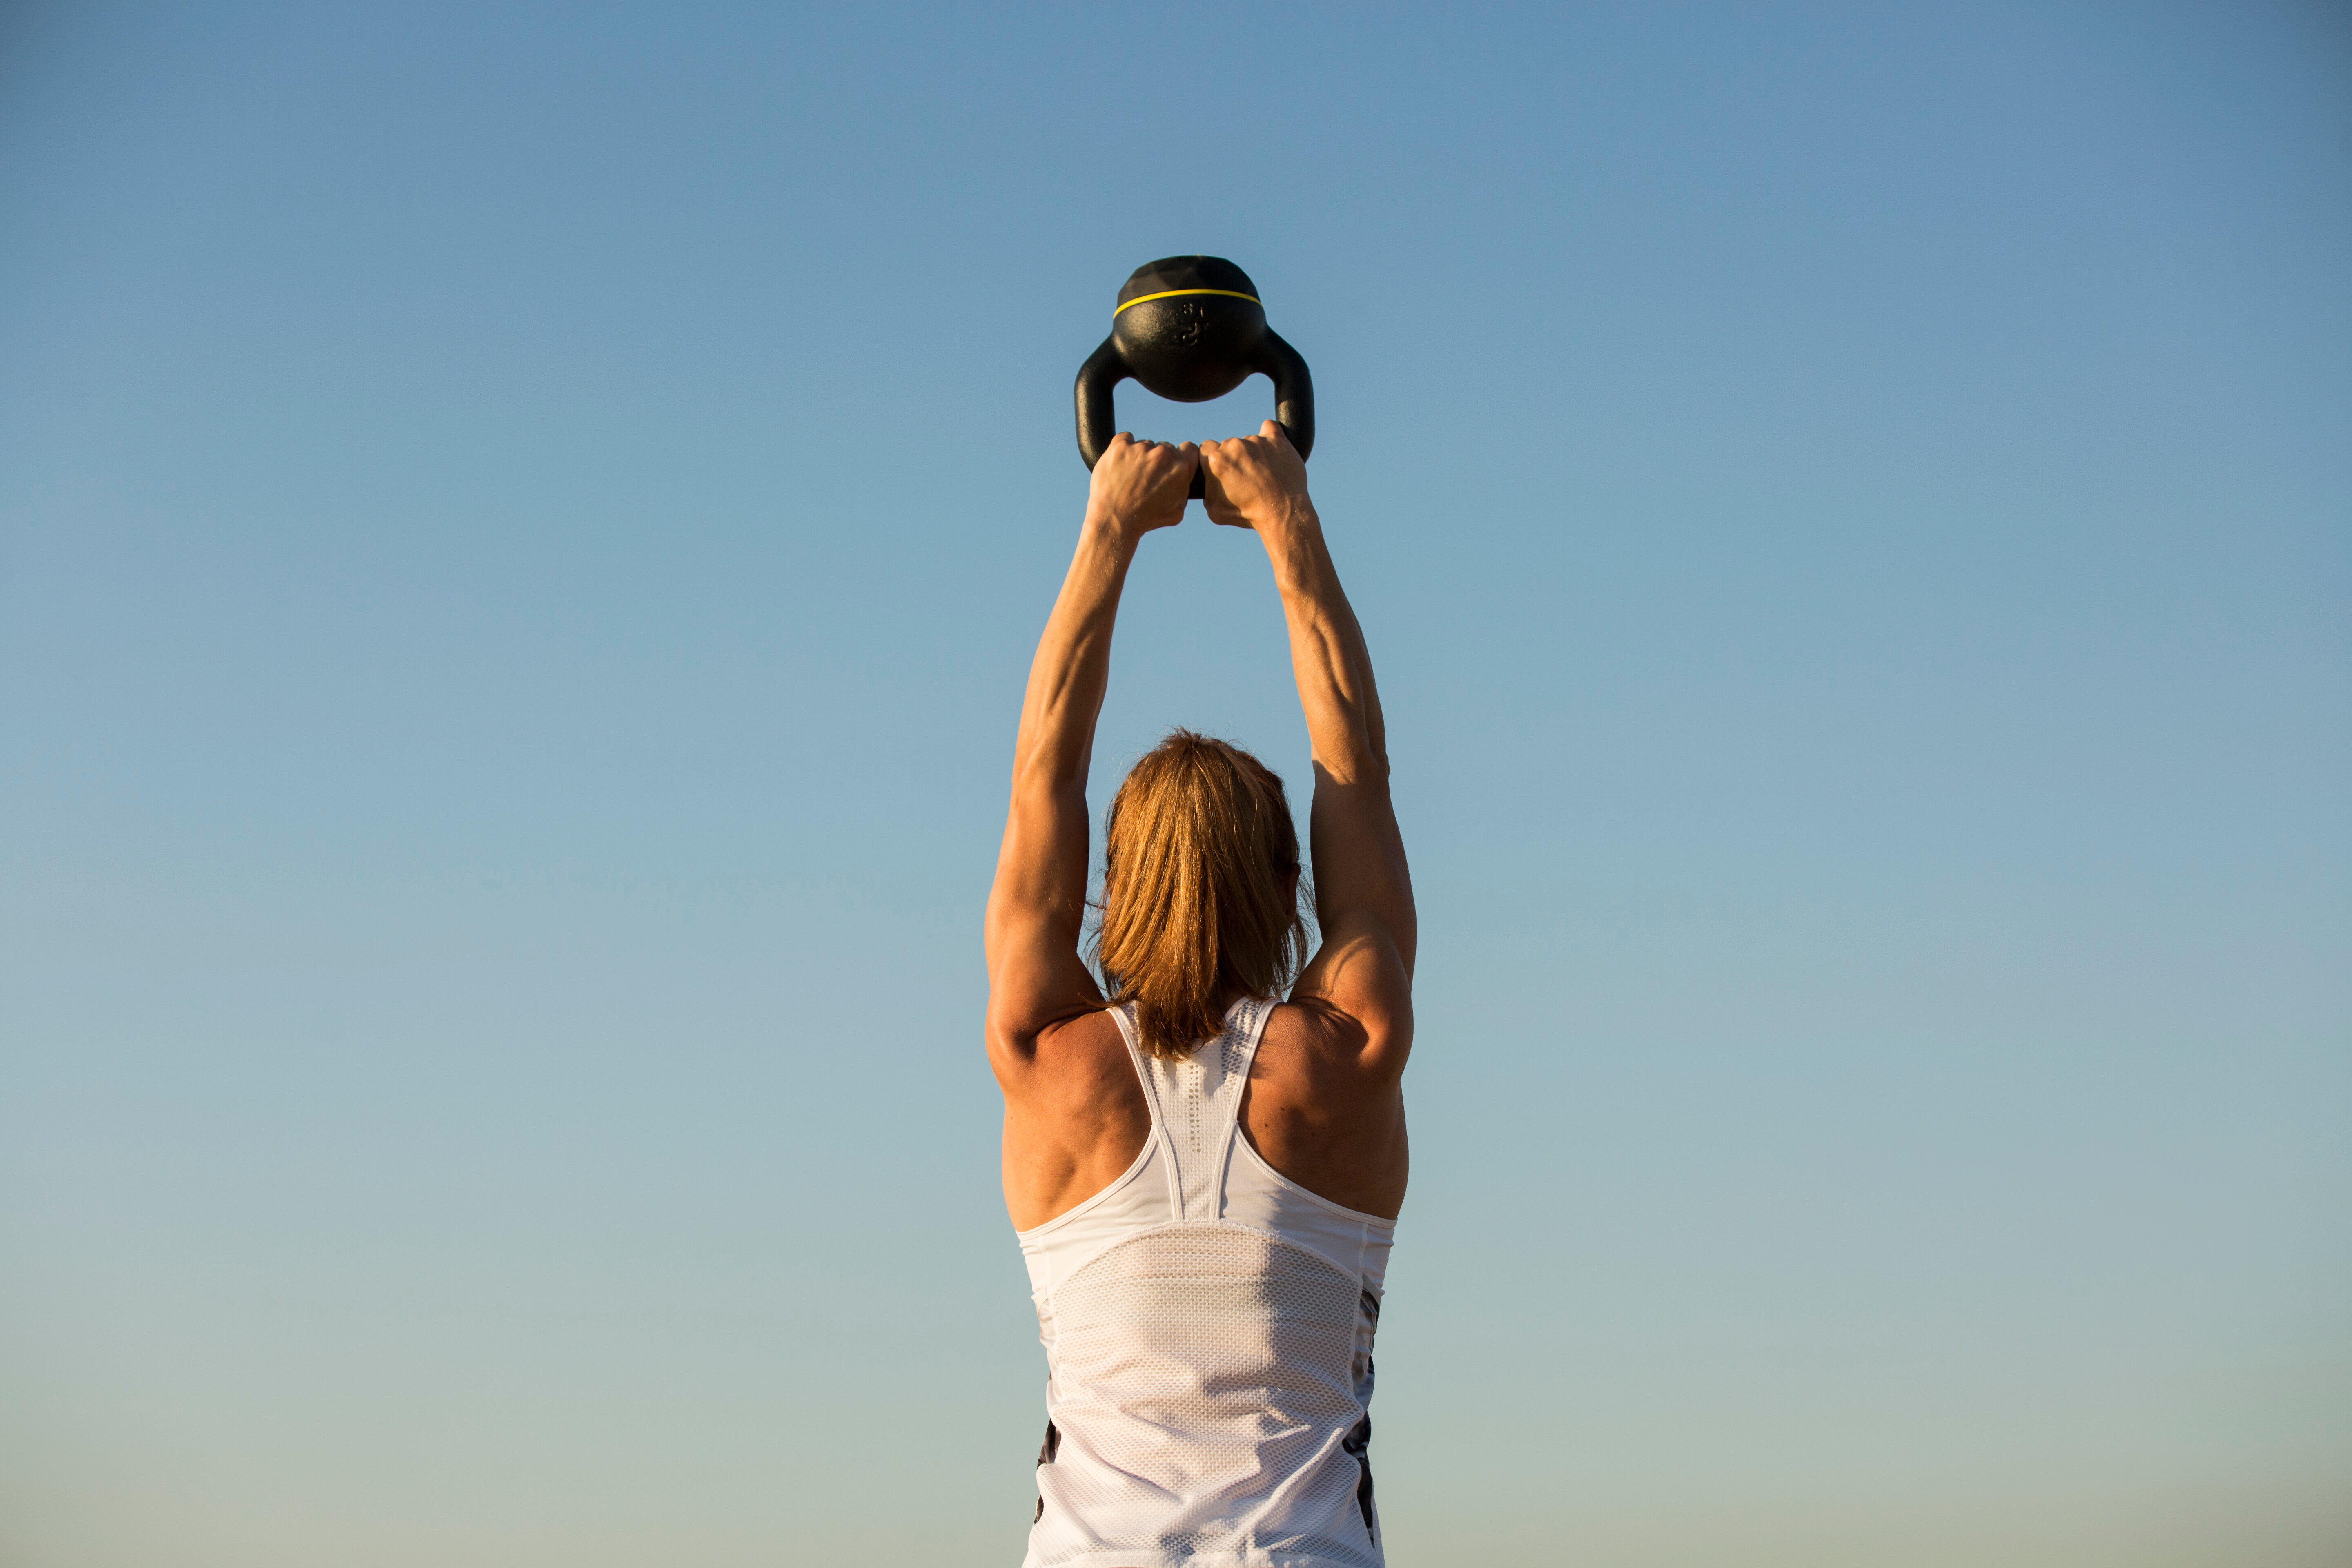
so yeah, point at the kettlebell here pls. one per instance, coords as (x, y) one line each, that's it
(1190, 328)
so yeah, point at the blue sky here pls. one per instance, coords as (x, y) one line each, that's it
(521, 534)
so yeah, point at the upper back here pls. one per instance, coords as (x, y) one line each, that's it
(1317, 1107)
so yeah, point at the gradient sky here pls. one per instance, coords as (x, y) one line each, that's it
(522, 529)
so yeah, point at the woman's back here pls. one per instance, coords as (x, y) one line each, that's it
(1208, 1330)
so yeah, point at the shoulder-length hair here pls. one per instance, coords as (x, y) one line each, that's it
(1199, 902)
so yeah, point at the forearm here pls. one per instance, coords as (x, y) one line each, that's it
(1328, 655)
(1072, 668)
(1037, 910)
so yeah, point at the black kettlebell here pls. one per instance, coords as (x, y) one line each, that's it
(1190, 328)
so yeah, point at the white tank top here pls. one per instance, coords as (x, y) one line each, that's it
(1208, 1331)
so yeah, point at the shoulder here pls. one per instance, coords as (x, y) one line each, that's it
(1312, 1040)
(1073, 1057)
(1358, 991)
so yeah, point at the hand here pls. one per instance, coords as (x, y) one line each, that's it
(1139, 486)
(1255, 481)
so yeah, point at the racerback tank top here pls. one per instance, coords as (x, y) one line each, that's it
(1208, 1331)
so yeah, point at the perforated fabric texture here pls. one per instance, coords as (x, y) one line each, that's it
(1198, 1101)
(1204, 1361)
(1209, 1378)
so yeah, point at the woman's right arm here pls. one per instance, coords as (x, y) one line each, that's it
(1037, 910)
(1363, 891)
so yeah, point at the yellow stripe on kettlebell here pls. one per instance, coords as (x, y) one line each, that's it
(1171, 293)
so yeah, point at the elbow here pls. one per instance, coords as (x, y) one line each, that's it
(1388, 1044)
(1011, 1048)
(1353, 765)
(1039, 774)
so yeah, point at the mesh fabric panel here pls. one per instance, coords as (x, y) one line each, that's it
(1208, 1377)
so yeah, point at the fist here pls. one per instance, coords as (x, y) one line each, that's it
(1139, 486)
(1255, 481)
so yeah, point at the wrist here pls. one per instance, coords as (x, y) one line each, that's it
(1295, 550)
(1103, 528)
(1294, 518)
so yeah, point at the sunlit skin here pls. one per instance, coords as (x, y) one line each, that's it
(1324, 1104)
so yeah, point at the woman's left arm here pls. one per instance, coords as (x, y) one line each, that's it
(1037, 910)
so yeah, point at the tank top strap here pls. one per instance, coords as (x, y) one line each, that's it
(1237, 1048)
(1196, 1101)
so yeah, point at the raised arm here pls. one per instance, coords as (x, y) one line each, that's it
(1037, 910)
(1363, 891)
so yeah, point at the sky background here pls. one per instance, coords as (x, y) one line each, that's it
(521, 531)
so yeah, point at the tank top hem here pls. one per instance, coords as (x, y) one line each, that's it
(1117, 1558)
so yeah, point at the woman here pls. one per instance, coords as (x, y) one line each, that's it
(1204, 1175)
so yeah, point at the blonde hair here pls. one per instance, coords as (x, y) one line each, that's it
(1198, 847)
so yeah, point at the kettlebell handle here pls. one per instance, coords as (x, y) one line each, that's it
(1294, 398)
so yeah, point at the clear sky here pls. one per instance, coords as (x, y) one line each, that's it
(522, 529)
